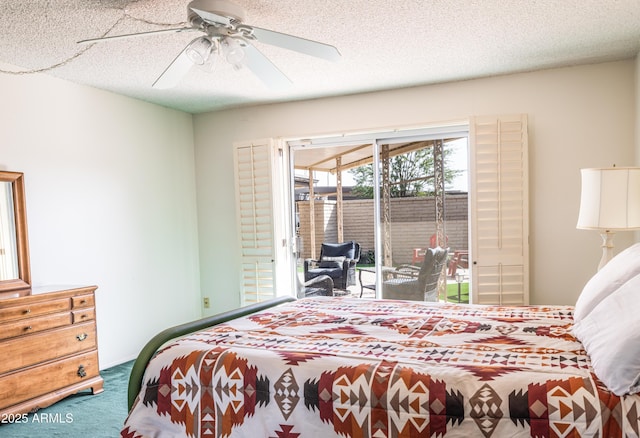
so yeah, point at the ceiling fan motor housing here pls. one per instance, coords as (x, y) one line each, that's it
(218, 7)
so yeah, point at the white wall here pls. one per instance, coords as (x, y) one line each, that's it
(578, 117)
(637, 124)
(110, 189)
(637, 93)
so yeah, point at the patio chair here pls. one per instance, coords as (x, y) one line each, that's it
(418, 253)
(460, 259)
(316, 287)
(414, 283)
(338, 261)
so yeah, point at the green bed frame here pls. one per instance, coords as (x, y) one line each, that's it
(149, 350)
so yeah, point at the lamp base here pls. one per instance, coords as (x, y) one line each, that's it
(607, 248)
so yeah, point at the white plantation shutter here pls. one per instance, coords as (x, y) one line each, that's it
(499, 210)
(254, 205)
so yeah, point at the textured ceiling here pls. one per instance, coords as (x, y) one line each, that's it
(384, 43)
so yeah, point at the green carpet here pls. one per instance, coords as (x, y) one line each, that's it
(81, 415)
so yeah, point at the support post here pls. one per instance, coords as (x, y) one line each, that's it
(312, 217)
(339, 205)
(438, 178)
(386, 206)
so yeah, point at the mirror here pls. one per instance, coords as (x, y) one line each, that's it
(15, 275)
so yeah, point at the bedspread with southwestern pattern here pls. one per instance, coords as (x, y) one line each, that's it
(322, 367)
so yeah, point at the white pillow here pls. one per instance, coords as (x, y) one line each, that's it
(611, 336)
(614, 274)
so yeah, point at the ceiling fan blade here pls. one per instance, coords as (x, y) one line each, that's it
(212, 18)
(302, 45)
(135, 35)
(262, 67)
(174, 72)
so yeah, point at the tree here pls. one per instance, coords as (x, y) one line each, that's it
(411, 174)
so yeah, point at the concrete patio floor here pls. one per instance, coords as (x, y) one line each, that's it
(369, 278)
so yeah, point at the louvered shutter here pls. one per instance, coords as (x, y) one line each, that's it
(254, 204)
(499, 210)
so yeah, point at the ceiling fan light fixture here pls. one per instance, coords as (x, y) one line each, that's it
(233, 52)
(199, 50)
(226, 35)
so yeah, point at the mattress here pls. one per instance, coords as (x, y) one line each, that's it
(325, 366)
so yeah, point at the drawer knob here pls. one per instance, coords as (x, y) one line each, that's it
(27, 328)
(81, 371)
(81, 337)
(27, 311)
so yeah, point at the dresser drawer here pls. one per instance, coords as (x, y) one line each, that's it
(83, 315)
(35, 381)
(87, 300)
(28, 350)
(34, 325)
(35, 309)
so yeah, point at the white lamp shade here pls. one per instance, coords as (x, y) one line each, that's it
(610, 199)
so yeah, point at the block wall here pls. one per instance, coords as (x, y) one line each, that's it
(412, 224)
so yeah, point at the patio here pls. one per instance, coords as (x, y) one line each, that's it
(367, 276)
(407, 222)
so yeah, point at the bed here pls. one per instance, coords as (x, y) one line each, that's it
(340, 366)
(349, 367)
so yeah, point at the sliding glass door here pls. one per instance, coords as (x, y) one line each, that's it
(389, 193)
(424, 205)
(328, 215)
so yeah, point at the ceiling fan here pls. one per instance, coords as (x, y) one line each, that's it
(225, 34)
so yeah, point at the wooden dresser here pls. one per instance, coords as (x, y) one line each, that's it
(48, 347)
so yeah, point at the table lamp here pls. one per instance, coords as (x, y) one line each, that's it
(609, 202)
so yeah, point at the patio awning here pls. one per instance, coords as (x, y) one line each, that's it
(324, 158)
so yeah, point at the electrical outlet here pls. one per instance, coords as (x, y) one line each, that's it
(206, 302)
